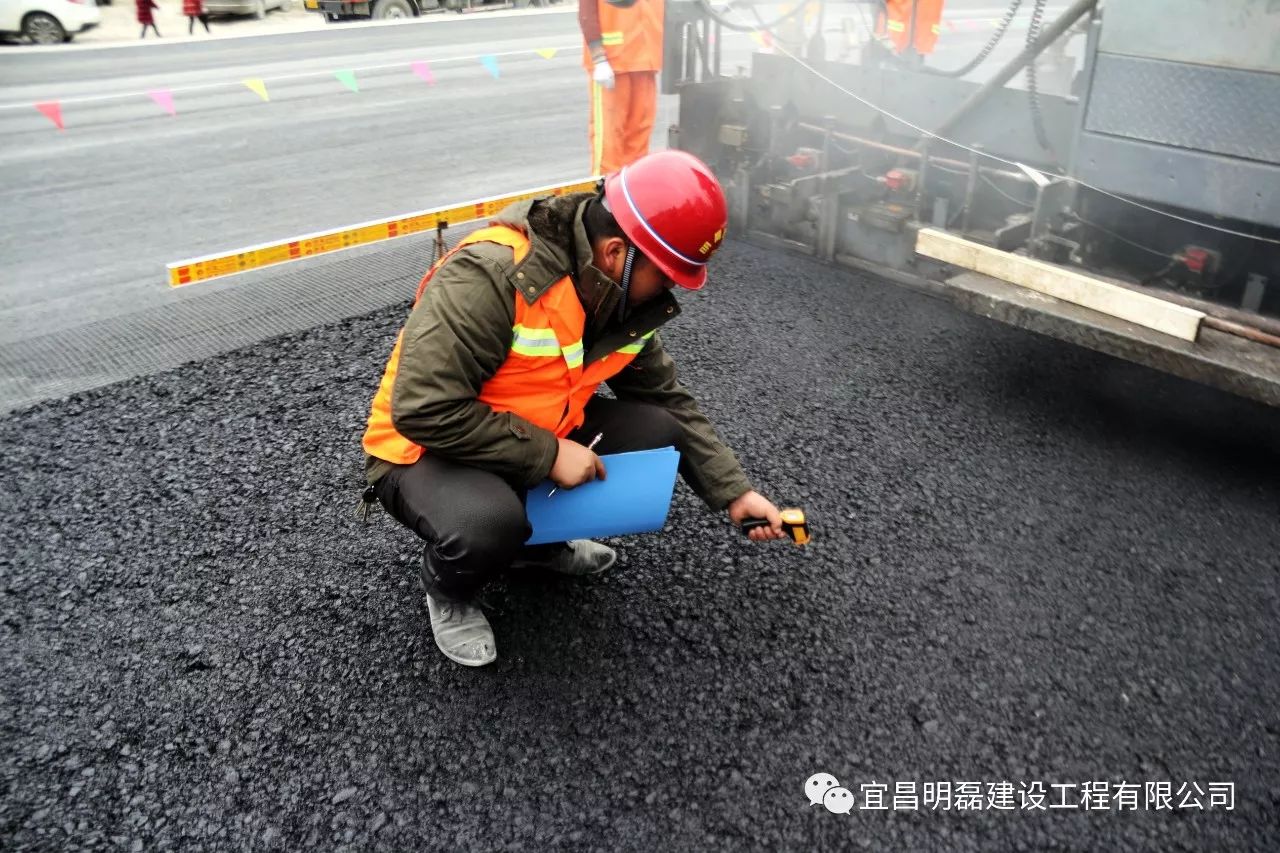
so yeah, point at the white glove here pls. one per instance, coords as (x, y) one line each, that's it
(603, 74)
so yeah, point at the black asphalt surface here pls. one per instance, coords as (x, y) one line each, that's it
(1031, 563)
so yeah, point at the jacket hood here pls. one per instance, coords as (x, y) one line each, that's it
(559, 246)
(559, 243)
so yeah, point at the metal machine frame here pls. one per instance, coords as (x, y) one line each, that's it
(854, 187)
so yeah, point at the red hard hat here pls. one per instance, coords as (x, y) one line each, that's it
(672, 209)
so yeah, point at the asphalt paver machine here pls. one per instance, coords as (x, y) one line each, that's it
(1132, 142)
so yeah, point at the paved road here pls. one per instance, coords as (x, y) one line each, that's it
(102, 207)
(1033, 563)
(94, 213)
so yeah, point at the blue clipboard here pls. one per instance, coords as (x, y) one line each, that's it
(634, 497)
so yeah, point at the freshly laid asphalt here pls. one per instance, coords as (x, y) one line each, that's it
(1030, 563)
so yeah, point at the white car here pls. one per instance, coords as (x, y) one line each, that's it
(257, 8)
(48, 21)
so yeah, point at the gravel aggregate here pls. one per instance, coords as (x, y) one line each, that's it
(1031, 562)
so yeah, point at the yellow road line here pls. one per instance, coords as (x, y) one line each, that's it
(209, 267)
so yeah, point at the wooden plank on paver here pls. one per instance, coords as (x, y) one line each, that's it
(1062, 283)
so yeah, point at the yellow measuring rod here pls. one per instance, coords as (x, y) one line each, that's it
(209, 267)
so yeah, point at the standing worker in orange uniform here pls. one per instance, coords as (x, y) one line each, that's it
(910, 23)
(623, 54)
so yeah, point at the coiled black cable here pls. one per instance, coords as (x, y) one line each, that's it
(1037, 117)
(748, 28)
(986, 49)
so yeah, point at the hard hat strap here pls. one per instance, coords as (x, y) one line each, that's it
(626, 280)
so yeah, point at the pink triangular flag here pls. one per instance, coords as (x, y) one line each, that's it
(423, 70)
(164, 98)
(52, 111)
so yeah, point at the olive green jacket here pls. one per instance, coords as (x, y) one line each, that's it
(459, 333)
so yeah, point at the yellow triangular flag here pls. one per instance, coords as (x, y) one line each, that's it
(258, 86)
(546, 52)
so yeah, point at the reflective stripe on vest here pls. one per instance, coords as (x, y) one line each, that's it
(537, 343)
(573, 353)
(542, 379)
(613, 39)
(542, 343)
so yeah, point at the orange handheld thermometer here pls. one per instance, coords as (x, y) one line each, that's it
(793, 524)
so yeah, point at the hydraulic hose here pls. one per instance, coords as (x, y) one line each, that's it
(1037, 117)
(1001, 29)
(749, 28)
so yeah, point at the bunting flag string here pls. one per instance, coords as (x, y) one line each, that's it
(164, 98)
(52, 111)
(259, 86)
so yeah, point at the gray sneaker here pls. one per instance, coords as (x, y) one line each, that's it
(584, 557)
(462, 632)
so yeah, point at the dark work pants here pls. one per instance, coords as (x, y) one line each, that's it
(473, 521)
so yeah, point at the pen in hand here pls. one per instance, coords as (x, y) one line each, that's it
(591, 446)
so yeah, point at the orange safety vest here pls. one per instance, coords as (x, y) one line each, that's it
(894, 23)
(542, 380)
(631, 35)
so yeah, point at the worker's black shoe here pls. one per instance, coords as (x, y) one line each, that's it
(462, 632)
(584, 557)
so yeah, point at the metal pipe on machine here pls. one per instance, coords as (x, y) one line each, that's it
(1018, 63)
(913, 153)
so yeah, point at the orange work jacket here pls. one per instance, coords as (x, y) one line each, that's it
(542, 380)
(894, 23)
(632, 36)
